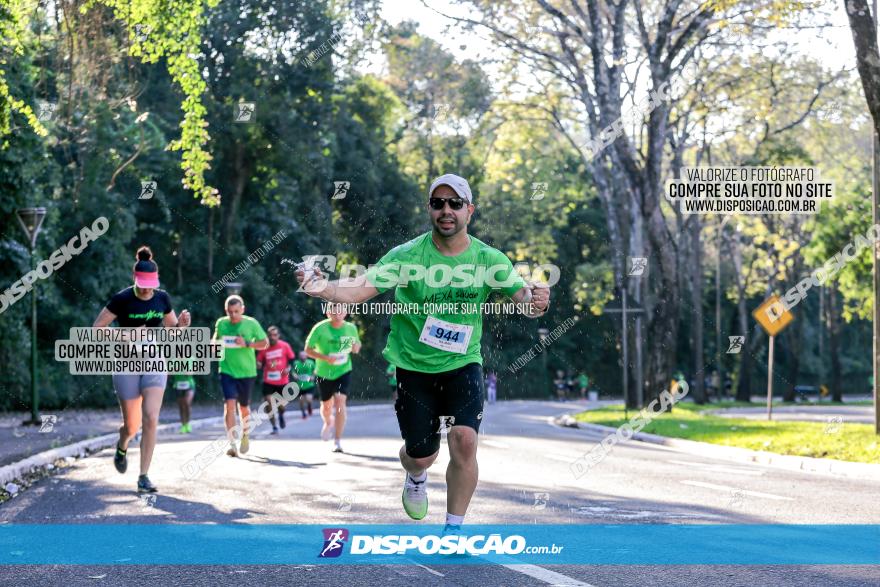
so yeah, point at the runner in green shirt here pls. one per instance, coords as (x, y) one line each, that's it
(331, 343)
(242, 336)
(304, 369)
(437, 350)
(185, 386)
(583, 384)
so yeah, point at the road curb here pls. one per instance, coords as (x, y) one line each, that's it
(833, 467)
(82, 448)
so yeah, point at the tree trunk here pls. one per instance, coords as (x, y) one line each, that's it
(832, 316)
(240, 174)
(697, 310)
(743, 377)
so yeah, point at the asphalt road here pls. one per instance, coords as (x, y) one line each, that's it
(295, 478)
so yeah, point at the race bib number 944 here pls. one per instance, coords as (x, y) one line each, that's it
(446, 336)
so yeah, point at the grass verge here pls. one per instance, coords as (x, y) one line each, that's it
(832, 440)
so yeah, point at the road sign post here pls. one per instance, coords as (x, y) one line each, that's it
(773, 317)
(770, 379)
(31, 221)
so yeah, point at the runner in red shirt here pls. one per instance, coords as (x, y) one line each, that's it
(274, 360)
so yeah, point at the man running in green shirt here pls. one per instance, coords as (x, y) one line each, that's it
(331, 343)
(437, 351)
(242, 336)
(304, 368)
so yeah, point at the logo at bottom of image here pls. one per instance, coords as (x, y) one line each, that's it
(334, 540)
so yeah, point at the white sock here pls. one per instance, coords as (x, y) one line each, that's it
(454, 520)
(421, 478)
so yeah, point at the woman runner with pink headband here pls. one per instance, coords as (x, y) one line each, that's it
(140, 394)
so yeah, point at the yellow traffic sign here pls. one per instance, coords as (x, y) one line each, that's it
(772, 315)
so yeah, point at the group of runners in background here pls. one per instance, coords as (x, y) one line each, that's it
(436, 359)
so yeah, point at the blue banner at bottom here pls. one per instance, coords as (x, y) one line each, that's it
(203, 544)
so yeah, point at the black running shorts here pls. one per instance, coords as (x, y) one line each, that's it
(330, 387)
(423, 398)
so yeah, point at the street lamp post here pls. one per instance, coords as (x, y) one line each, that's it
(542, 335)
(31, 220)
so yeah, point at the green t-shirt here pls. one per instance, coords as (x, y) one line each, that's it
(391, 372)
(305, 373)
(583, 380)
(238, 362)
(183, 382)
(332, 341)
(472, 276)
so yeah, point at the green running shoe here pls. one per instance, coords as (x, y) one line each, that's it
(415, 497)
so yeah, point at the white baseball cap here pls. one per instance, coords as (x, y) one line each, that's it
(458, 184)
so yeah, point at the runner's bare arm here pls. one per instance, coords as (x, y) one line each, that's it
(105, 318)
(538, 295)
(172, 320)
(342, 291)
(259, 344)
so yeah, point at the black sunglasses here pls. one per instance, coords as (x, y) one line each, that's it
(438, 203)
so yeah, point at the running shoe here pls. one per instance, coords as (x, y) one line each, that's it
(281, 421)
(452, 530)
(145, 485)
(274, 430)
(182, 429)
(415, 497)
(304, 416)
(337, 447)
(120, 461)
(233, 452)
(326, 431)
(245, 444)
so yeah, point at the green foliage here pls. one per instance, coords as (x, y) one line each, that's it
(172, 31)
(13, 23)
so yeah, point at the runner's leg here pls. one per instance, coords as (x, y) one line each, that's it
(415, 466)
(181, 406)
(266, 400)
(339, 404)
(229, 409)
(131, 420)
(326, 414)
(151, 406)
(462, 397)
(462, 473)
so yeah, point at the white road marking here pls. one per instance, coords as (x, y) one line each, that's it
(430, 570)
(719, 468)
(547, 576)
(742, 491)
